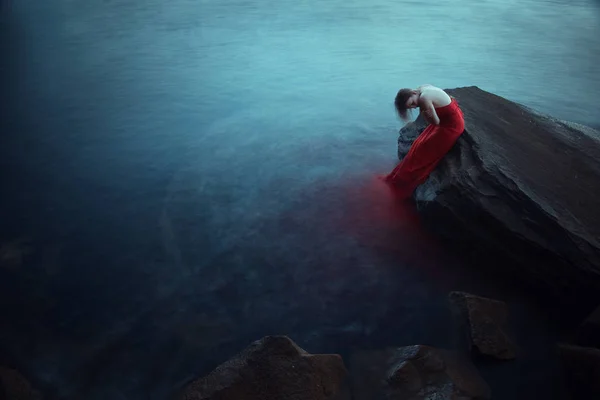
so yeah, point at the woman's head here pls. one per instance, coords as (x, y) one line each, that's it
(406, 99)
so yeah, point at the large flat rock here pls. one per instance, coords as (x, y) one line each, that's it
(523, 184)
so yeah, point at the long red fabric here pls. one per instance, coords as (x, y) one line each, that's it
(428, 150)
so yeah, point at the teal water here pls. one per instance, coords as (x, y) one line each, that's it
(188, 176)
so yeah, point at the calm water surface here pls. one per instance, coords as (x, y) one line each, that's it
(180, 178)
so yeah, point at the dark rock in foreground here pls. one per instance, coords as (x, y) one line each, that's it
(485, 321)
(13, 386)
(272, 368)
(589, 333)
(521, 183)
(582, 370)
(415, 373)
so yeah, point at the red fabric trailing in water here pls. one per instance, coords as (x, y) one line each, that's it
(428, 150)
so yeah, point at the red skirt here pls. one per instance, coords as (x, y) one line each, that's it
(428, 150)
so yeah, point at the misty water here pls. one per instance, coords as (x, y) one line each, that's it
(180, 178)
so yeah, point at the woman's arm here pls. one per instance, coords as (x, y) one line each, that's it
(428, 110)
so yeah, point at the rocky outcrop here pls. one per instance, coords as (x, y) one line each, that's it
(522, 184)
(582, 370)
(13, 386)
(272, 368)
(484, 322)
(589, 332)
(415, 373)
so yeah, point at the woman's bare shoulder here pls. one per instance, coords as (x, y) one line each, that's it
(436, 96)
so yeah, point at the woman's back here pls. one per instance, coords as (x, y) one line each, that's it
(437, 96)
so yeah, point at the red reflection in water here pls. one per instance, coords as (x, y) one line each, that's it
(378, 218)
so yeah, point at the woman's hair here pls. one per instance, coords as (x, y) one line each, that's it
(400, 102)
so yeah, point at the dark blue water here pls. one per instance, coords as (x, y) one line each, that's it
(181, 178)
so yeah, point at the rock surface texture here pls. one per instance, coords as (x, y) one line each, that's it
(589, 332)
(582, 371)
(484, 321)
(523, 184)
(273, 368)
(13, 386)
(415, 373)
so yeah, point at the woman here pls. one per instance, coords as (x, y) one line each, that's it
(446, 124)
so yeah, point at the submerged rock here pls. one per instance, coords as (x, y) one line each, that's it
(589, 332)
(272, 368)
(523, 184)
(582, 370)
(415, 373)
(485, 321)
(13, 386)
